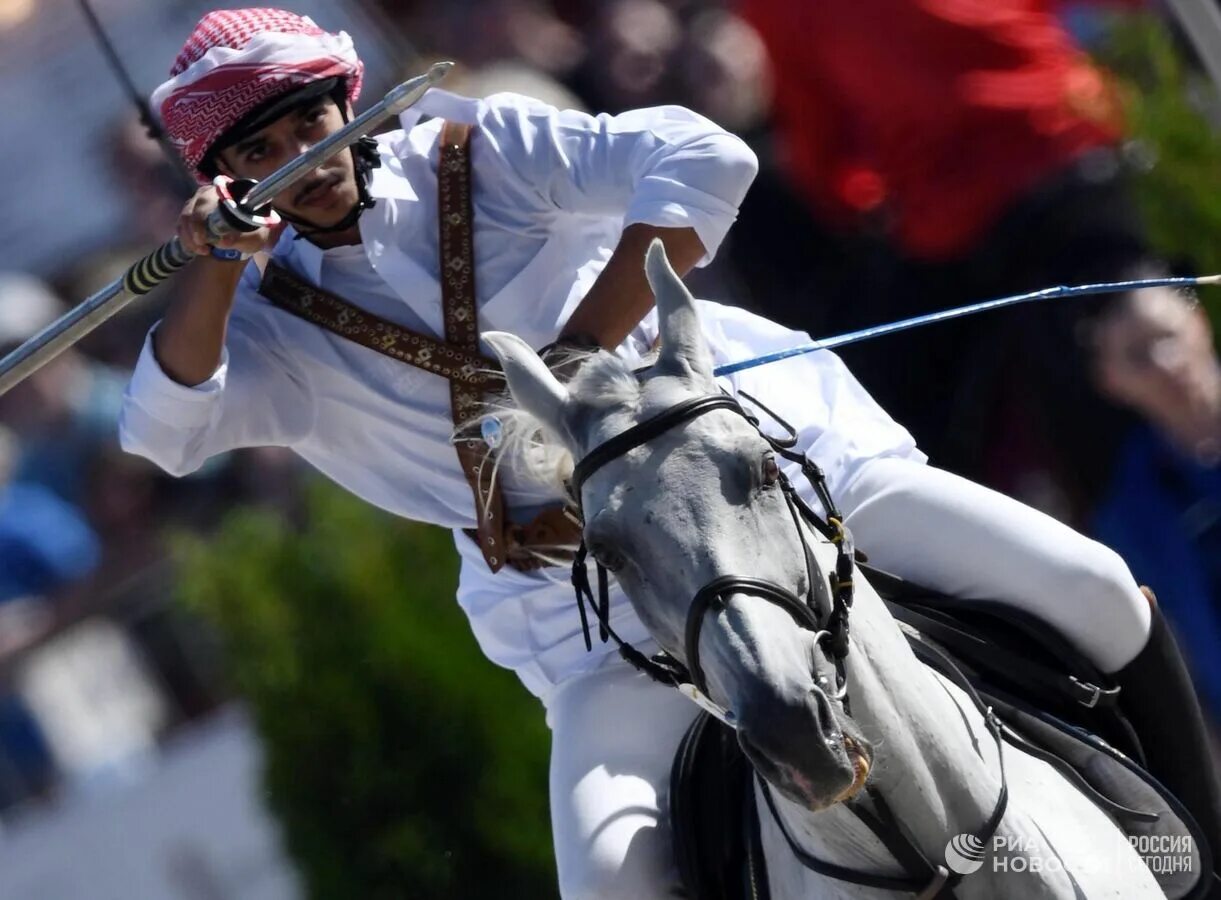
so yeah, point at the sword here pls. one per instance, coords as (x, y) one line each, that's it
(153, 269)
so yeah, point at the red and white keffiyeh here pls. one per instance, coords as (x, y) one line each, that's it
(237, 59)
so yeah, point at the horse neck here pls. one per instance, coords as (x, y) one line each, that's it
(935, 762)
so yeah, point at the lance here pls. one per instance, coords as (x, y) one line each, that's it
(153, 269)
(492, 429)
(182, 177)
(1051, 293)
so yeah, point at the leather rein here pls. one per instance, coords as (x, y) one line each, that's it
(936, 882)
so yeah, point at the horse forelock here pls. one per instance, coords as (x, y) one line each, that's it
(531, 449)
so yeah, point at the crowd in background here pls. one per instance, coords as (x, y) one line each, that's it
(898, 177)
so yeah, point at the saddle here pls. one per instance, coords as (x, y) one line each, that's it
(1052, 702)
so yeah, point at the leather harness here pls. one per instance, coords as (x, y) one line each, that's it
(456, 358)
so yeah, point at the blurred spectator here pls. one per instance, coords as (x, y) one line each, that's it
(45, 542)
(64, 411)
(955, 152)
(95, 700)
(1153, 352)
(483, 32)
(723, 72)
(154, 186)
(628, 63)
(26, 765)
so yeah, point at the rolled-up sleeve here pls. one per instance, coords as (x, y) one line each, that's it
(256, 397)
(663, 166)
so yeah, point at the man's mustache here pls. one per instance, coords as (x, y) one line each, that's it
(313, 184)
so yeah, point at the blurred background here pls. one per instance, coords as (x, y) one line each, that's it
(246, 685)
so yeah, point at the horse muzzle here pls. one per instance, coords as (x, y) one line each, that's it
(809, 750)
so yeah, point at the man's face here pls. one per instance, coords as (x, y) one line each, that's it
(1155, 354)
(324, 196)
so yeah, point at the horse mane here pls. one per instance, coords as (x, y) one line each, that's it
(531, 450)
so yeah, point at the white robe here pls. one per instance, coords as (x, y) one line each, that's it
(552, 192)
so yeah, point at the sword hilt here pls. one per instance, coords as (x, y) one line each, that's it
(232, 214)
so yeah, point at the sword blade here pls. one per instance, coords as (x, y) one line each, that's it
(150, 271)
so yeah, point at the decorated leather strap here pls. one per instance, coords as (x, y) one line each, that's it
(462, 331)
(456, 359)
(332, 312)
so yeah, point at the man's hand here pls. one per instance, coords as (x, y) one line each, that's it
(193, 228)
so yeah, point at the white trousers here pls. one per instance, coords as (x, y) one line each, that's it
(614, 732)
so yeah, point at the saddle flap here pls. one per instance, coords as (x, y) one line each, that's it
(713, 817)
(1167, 838)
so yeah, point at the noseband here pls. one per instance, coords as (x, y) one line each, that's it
(831, 626)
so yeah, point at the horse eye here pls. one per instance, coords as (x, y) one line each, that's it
(609, 559)
(771, 471)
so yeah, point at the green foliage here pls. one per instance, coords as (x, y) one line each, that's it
(401, 763)
(1180, 193)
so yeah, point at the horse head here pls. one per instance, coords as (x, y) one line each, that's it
(700, 502)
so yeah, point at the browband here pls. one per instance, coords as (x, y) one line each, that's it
(645, 432)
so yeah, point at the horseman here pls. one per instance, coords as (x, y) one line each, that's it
(358, 347)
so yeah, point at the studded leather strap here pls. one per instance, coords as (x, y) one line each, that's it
(332, 312)
(462, 330)
(456, 359)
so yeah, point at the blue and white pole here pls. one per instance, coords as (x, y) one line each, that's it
(1051, 293)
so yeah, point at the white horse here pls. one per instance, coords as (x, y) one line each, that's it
(697, 499)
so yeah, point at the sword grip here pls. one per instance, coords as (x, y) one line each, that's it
(232, 213)
(155, 268)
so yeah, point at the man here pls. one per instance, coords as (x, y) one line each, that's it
(1153, 352)
(560, 207)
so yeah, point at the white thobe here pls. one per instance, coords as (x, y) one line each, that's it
(552, 192)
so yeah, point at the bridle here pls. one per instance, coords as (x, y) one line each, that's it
(826, 615)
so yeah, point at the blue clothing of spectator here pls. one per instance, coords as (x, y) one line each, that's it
(45, 542)
(61, 458)
(1162, 514)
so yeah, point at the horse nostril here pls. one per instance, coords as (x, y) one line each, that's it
(826, 716)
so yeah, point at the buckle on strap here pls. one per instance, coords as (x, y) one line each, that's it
(940, 877)
(1090, 695)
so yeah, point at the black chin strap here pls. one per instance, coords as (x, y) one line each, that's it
(366, 159)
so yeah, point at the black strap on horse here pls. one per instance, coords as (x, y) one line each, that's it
(665, 668)
(934, 882)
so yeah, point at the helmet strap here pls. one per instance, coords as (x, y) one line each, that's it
(365, 159)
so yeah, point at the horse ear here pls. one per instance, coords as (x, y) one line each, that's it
(531, 383)
(684, 351)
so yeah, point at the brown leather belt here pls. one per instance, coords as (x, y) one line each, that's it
(456, 359)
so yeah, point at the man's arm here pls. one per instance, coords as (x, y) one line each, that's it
(209, 379)
(190, 339)
(667, 172)
(621, 296)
